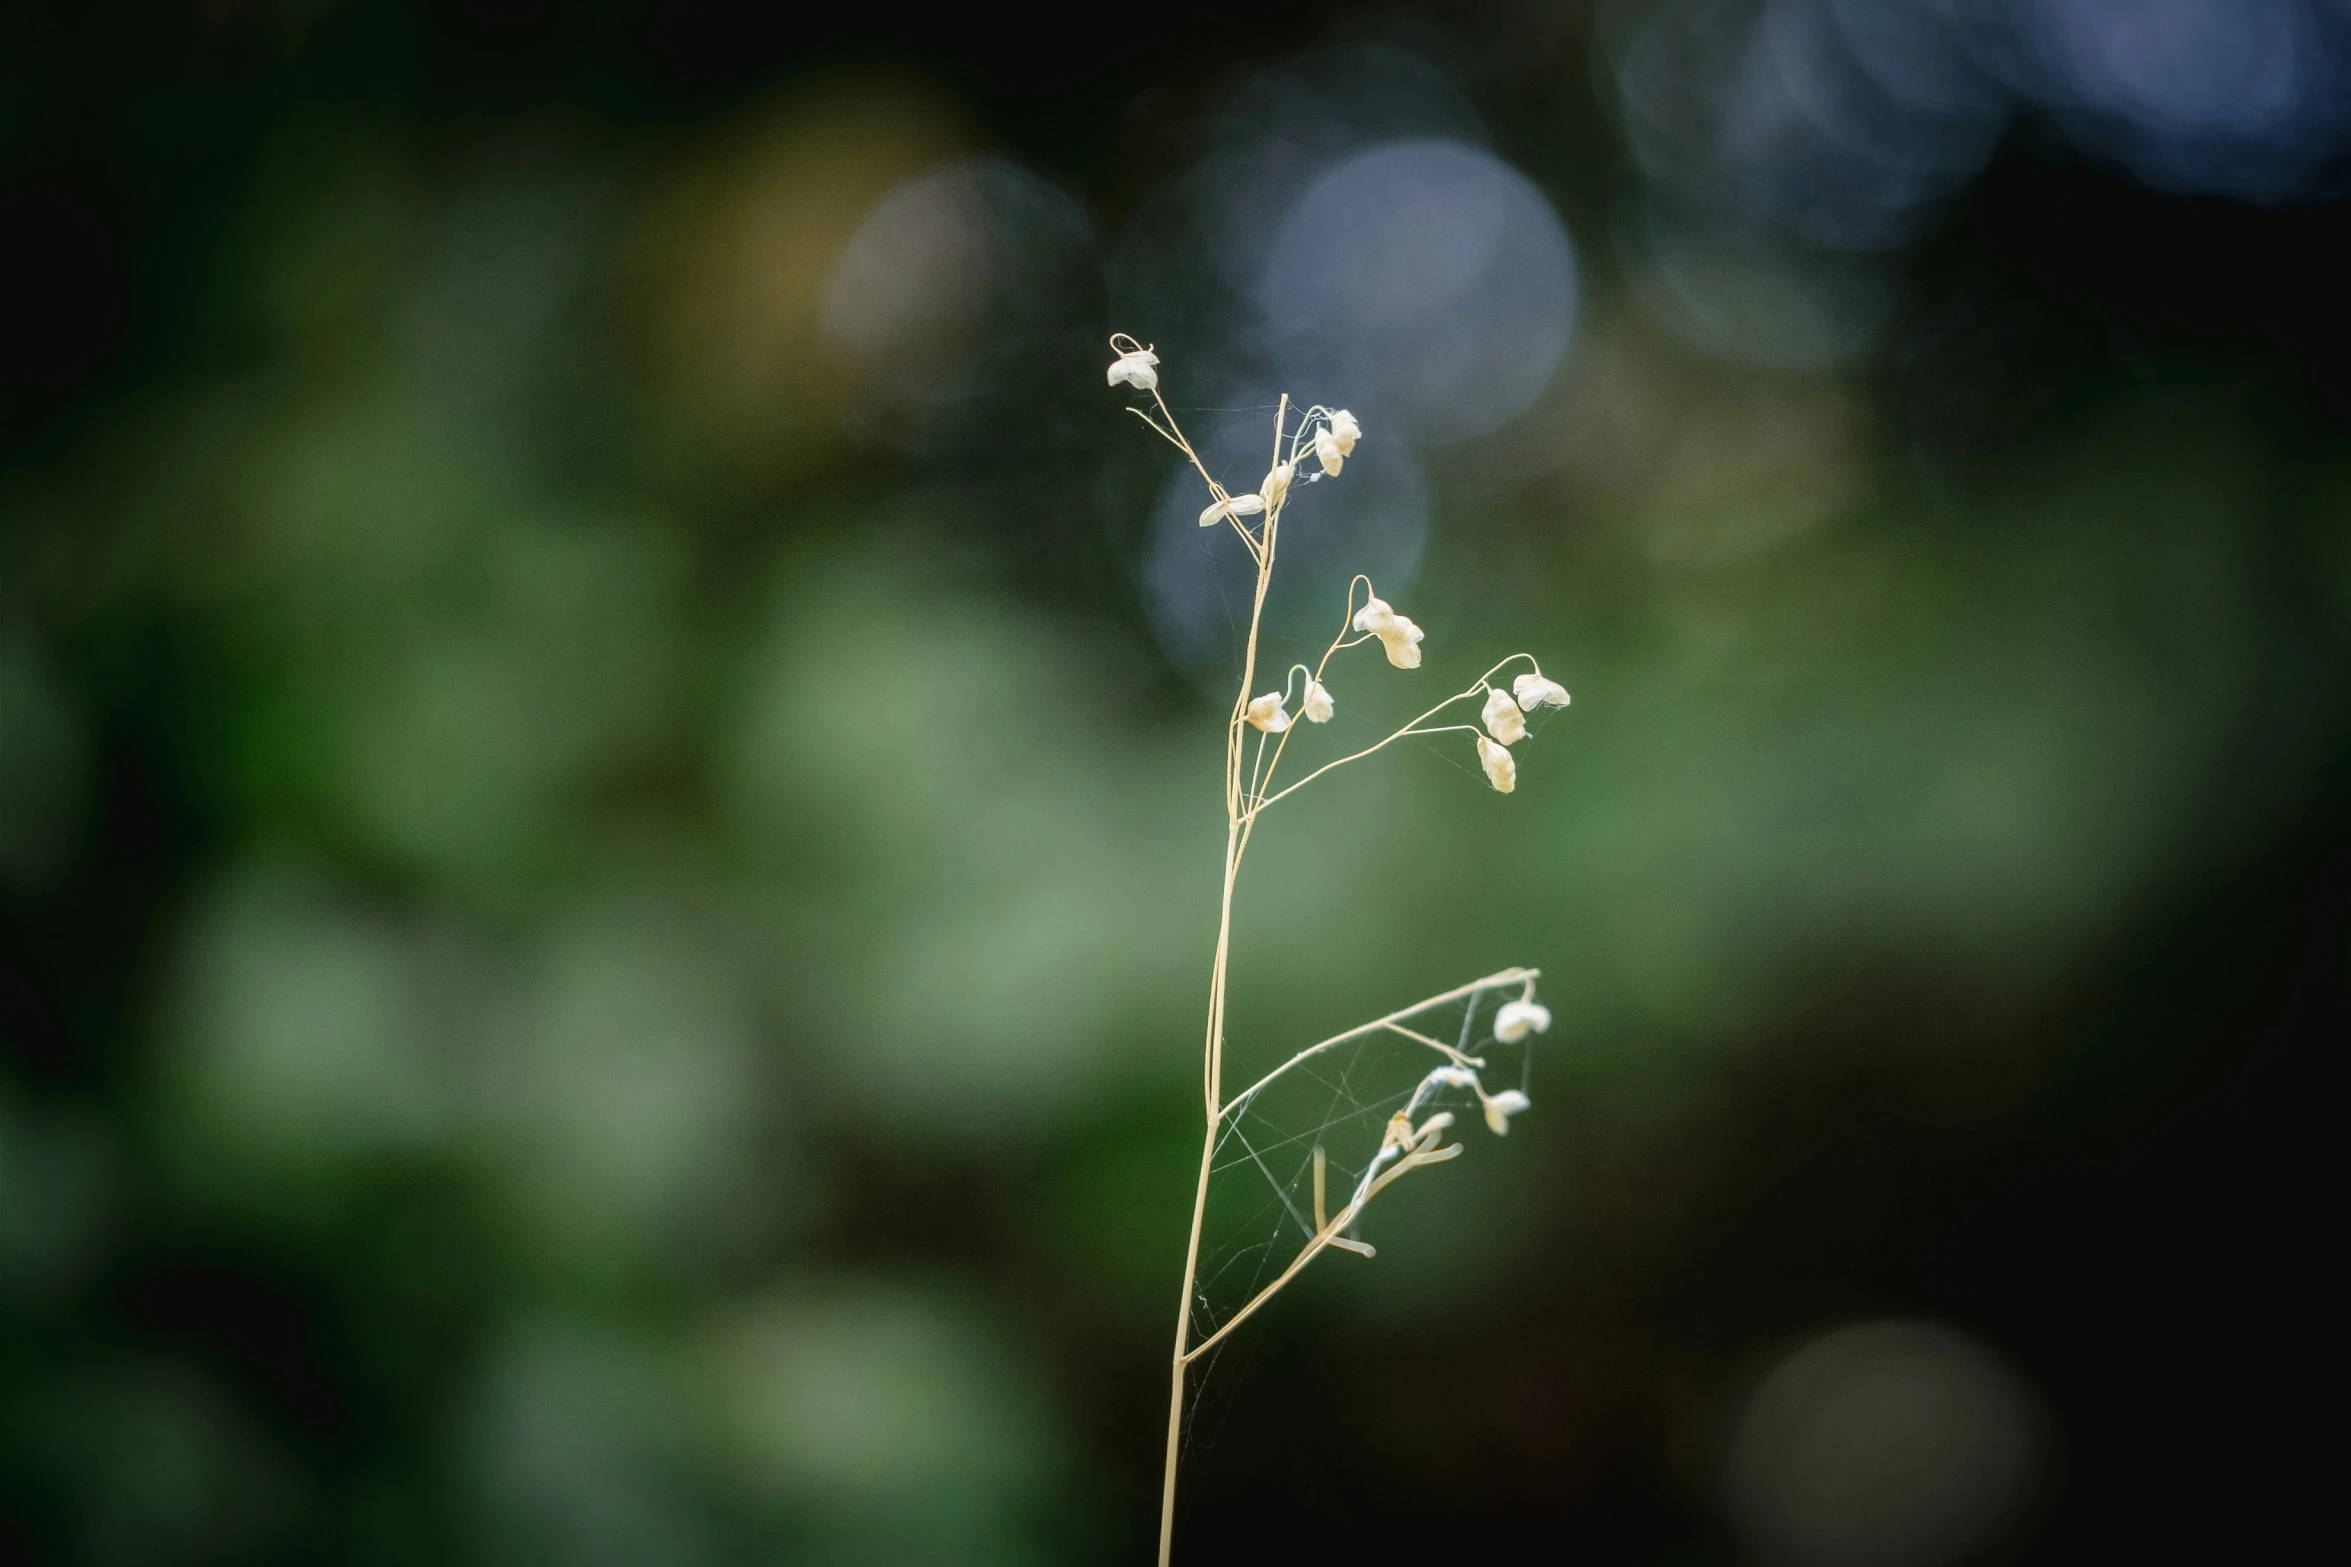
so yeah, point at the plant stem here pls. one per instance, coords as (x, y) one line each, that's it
(1236, 844)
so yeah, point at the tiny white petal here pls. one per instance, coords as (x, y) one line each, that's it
(1237, 506)
(1316, 704)
(1502, 718)
(1501, 770)
(1535, 691)
(1136, 370)
(1277, 485)
(1345, 432)
(1328, 452)
(1266, 713)
(1374, 615)
(1502, 1107)
(1517, 1019)
(1454, 1077)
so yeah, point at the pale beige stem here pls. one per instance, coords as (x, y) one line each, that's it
(1508, 976)
(1236, 845)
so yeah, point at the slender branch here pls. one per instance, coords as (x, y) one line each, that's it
(1457, 1057)
(1508, 976)
(1409, 729)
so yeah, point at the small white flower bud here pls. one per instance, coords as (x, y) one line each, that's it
(1374, 615)
(1455, 1077)
(1501, 770)
(1535, 691)
(1517, 1019)
(1326, 452)
(1277, 485)
(1266, 713)
(1237, 506)
(1401, 638)
(1316, 704)
(1502, 1107)
(1344, 433)
(1502, 718)
(1137, 369)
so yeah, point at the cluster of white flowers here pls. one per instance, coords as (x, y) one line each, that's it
(1335, 442)
(1269, 495)
(1505, 719)
(1335, 433)
(1251, 766)
(1513, 1022)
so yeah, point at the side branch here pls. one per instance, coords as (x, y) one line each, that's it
(1327, 1236)
(1508, 976)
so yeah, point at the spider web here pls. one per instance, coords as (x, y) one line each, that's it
(1261, 1198)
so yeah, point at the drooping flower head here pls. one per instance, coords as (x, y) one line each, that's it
(1501, 1107)
(1535, 691)
(1334, 441)
(1501, 769)
(1266, 713)
(1276, 486)
(1502, 718)
(1397, 634)
(1137, 367)
(1316, 704)
(1517, 1019)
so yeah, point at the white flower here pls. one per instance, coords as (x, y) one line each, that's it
(1316, 704)
(1396, 632)
(1136, 368)
(1402, 640)
(1534, 691)
(1277, 485)
(1502, 1106)
(1502, 718)
(1517, 1019)
(1456, 1077)
(1266, 713)
(1237, 506)
(1344, 433)
(1501, 771)
(1326, 452)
